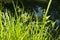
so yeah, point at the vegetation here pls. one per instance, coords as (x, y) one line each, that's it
(21, 25)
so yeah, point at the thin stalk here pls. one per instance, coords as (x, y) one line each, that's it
(14, 8)
(48, 7)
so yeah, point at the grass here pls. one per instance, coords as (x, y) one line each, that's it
(24, 28)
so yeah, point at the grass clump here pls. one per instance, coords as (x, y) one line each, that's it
(23, 27)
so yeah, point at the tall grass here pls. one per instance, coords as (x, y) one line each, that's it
(23, 27)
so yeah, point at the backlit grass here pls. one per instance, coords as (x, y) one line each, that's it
(24, 28)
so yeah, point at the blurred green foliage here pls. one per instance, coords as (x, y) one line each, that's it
(22, 27)
(0, 5)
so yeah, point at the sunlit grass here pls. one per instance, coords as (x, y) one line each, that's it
(18, 29)
(23, 27)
